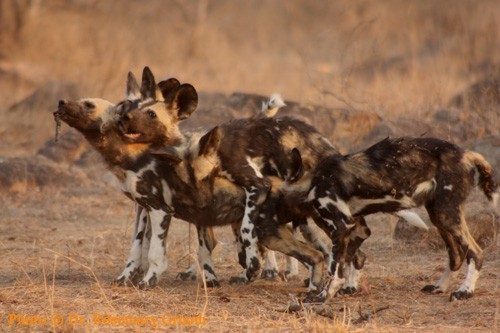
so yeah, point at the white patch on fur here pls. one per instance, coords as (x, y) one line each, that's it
(335, 284)
(292, 267)
(448, 187)
(424, 187)
(339, 203)
(412, 218)
(275, 168)
(445, 280)
(205, 258)
(129, 185)
(103, 109)
(311, 287)
(149, 167)
(255, 164)
(135, 255)
(251, 250)
(271, 107)
(167, 193)
(357, 204)
(227, 175)
(353, 277)
(471, 277)
(156, 256)
(270, 263)
(312, 194)
(494, 200)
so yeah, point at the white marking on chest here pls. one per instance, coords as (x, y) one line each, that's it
(130, 183)
(132, 178)
(167, 193)
(256, 165)
(448, 187)
(312, 194)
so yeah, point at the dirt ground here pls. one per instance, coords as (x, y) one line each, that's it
(62, 249)
(359, 71)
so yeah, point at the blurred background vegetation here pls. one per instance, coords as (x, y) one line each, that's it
(388, 57)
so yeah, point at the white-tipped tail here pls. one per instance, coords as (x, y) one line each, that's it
(271, 107)
(412, 218)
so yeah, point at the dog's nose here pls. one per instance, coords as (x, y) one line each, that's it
(62, 102)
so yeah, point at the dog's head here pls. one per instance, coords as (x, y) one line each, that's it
(152, 112)
(86, 115)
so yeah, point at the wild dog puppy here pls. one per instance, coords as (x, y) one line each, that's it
(396, 174)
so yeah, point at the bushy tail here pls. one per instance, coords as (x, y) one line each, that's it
(412, 218)
(486, 175)
(271, 107)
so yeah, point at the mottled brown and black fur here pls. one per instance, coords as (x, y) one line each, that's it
(161, 183)
(400, 173)
(245, 162)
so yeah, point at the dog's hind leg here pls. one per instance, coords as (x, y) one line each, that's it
(207, 243)
(474, 256)
(451, 225)
(283, 241)
(454, 255)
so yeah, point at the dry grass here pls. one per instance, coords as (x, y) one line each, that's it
(62, 249)
(391, 57)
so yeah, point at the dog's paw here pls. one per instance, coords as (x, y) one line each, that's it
(269, 274)
(431, 289)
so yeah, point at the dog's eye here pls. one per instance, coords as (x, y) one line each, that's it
(151, 114)
(89, 105)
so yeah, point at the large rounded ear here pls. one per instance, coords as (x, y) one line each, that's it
(133, 90)
(209, 143)
(184, 99)
(167, 86)
(148, 85)
(296, 166)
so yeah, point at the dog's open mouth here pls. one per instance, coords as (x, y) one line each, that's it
(132, 136)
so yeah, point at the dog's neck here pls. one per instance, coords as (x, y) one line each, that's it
(117, 153)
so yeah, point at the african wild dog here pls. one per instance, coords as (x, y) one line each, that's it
(128, 160)
(160, 184)
(396, 174)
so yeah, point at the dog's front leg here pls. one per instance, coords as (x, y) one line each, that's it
(133, 268)
(160, 223)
